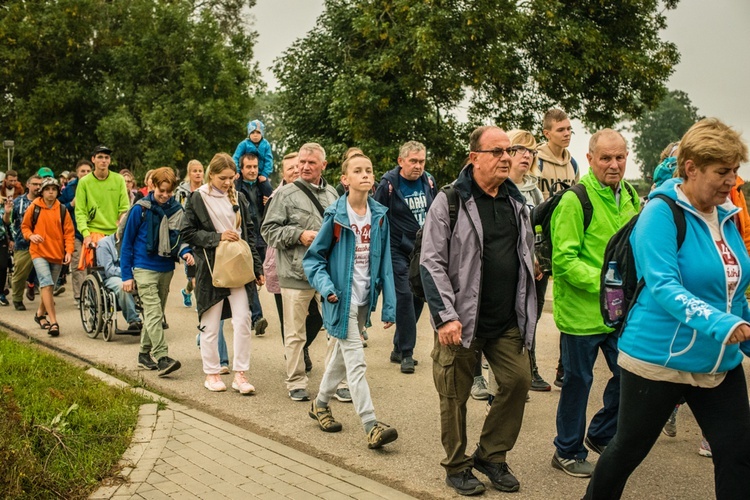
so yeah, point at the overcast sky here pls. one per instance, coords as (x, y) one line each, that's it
(712, 38)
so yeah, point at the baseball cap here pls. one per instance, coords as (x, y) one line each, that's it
(45, 172)
(101, 148)
(50, 181)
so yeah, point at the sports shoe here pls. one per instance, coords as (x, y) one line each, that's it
(559, 375)
(479, 389)
(670, 428)
(381, 434)
(407, 365)
(260, 326)
(167, 365)
(308, 361)
(499, 474)
(224, 370)
(299, 395)
(164, 324)
(343, 395)
(214, 385)
(465, 483)
(324, 418)
(135, 326)
(538, 383)
(30, 292)
(596, 448)
(59, 290)
(19, 306)
(145, 361)
(77, 303)
(241, 385)
(364, 337)
(396, 358)
(705, 449)
(187, 298)
(576, 467)
(3, 300)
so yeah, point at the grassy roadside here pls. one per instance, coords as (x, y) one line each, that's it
(61, 431)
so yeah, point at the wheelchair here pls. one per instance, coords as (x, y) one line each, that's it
(99, 308)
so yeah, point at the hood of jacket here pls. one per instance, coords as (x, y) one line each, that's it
(546, 155)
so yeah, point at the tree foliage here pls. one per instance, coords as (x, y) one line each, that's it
(375, 73)
(158, 82)
(655, 129)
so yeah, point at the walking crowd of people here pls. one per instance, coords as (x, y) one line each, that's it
(328, 253)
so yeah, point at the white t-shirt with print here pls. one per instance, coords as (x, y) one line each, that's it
(360, 225)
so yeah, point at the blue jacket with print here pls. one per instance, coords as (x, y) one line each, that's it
(685, 314)
(329, 265)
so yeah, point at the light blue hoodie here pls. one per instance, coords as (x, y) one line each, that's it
(685, 314)
(329, 265)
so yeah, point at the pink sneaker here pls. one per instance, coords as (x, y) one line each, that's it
(241, 384)
(214, 384)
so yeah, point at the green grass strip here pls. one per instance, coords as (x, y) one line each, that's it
(61, 431)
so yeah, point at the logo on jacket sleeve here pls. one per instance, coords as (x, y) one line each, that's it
(694, 307)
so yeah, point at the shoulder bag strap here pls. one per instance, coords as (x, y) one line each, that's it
(300, 184)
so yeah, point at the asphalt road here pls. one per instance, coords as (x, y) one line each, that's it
(407, 402)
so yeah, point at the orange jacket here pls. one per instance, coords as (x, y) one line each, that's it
(743, 218)
(56, 241)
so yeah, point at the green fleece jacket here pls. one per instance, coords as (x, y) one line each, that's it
(577, 257)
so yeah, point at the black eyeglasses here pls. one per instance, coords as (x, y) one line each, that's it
(498, 152)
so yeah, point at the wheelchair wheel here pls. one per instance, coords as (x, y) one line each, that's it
(110, 315)
(92, 306)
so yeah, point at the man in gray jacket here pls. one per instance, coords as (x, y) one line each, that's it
(291, 223)
(492, 311)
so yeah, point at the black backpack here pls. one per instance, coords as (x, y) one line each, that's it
(541, 217)
(415, 277)
(615, 299)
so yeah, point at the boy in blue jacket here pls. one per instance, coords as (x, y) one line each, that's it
(150, 246)
(256, 144)
(349, 263)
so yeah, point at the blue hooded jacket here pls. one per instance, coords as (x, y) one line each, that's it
(329, 265)
(262, 150)
(684, 316)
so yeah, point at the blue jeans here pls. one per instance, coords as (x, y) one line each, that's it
(579, 353)
(255, 308)
(408, 307)
(124, 299)
(46, 272)
(223, 354)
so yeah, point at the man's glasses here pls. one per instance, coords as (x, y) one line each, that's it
(498, 152)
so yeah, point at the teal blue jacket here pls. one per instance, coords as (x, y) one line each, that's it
(329, 265)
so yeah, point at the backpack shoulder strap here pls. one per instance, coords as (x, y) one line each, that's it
(575, 165)
(453, 201)
(679, 218)
(632, 191)
(35, 216)
(588, 209)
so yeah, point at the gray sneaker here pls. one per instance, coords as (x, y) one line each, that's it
(260, 326)
(343, 395)
(576, 467)
(670, 428)
(299, 395)
(479, 389)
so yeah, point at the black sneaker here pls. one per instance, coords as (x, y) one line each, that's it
(19, 306)
(135, 326)
(396, 358)
(260, 326)
(559, 375)
(538, 383)
(30, 292)
(465, 483)
(59, 290)
(499, 474)
(407, 365)
(596, 448)
(167, 365)
(145, 361)
(308, 361)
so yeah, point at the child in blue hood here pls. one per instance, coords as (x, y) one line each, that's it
(256, 144)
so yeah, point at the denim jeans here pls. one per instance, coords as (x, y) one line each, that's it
(579, 353)
(722, 412)
(46, 271)
(124, 299)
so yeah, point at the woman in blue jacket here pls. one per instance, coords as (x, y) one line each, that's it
(688, 331)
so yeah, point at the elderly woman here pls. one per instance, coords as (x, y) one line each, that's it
(688, 331)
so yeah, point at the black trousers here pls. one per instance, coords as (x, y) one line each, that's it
(4, 261)
(723, 414)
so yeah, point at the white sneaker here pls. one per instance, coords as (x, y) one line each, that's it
(224, 370)
(241, 385)
(215, 385)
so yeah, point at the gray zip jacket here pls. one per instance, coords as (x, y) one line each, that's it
(288, 214)
(451, 264)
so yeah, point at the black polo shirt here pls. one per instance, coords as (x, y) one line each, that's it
(500, 262)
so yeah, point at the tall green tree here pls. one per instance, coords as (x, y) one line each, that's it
(667, 123)
(375, 73)
(159, 82)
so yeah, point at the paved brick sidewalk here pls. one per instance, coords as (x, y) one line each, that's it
(180, 452)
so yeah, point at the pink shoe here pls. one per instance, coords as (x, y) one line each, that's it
(241, 384)
(214, 384)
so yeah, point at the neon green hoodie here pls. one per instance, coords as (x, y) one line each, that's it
(577, 257)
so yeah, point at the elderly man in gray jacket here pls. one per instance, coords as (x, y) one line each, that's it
(292, 221)
(492, 311)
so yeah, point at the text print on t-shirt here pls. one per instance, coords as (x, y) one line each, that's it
(730, 265)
